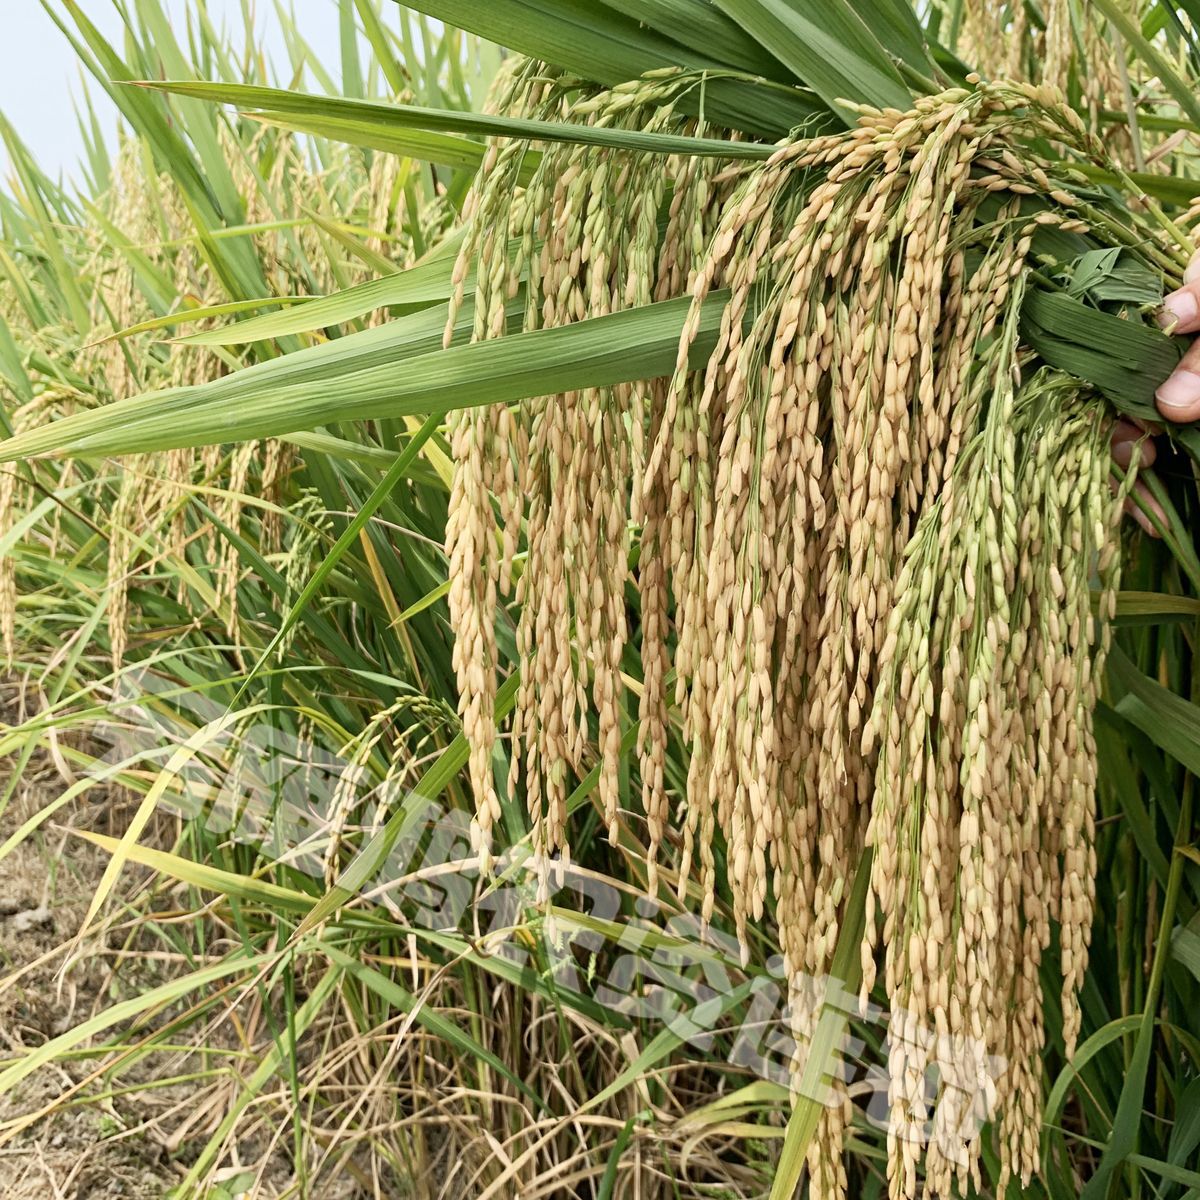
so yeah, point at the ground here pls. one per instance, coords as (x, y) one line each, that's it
(116, 1148)
(131, 1135)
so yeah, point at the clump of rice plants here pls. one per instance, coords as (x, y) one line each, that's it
(867, 523)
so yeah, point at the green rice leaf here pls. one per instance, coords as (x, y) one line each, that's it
(458, 153)
(419, 287)
(1123, 358)
(828, 47)
(205, 312)
(1170, 721)
(594, 42)
(396, 370)
(201, 875)
(701, 27)
(897, 29)
(1185, 949)
(372, 113)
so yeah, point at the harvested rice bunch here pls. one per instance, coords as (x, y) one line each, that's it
(870, 523)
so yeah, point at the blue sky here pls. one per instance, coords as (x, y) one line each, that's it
(39, 76)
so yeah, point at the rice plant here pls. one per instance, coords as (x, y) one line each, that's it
(788, 680)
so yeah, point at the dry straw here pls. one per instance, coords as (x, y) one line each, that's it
(867, 538)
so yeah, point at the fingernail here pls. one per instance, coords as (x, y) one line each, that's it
(1193, 270)
(1179, 307)
(1180, 393)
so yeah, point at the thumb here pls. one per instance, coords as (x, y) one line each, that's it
(1181, 309)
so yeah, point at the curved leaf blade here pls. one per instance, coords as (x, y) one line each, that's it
(397, 370)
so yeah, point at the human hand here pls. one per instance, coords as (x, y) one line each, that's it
(1177, 398)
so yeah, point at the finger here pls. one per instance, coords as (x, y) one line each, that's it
(1151, 427)
(1136, 505)
(1125, 437)
(1179, 397)
(1181, 309)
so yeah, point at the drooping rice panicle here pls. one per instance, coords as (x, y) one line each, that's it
(867, 536)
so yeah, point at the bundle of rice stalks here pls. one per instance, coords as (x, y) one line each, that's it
(867, 527)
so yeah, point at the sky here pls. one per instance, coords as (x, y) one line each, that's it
(40, 76)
